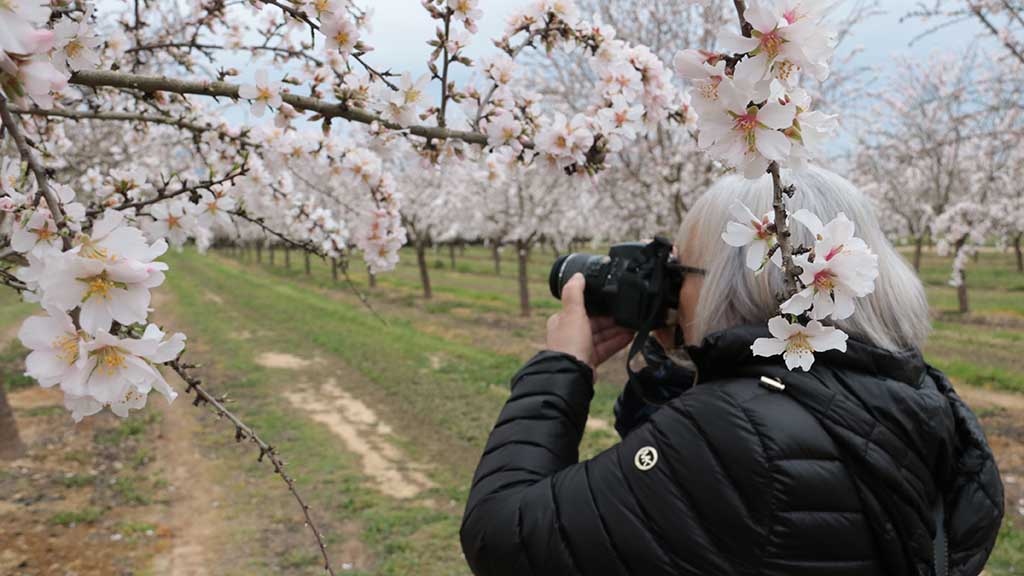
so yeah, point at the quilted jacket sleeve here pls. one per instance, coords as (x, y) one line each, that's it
(533, 509)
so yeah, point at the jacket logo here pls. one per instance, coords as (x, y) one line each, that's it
(645, 458)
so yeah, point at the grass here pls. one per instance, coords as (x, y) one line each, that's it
(127, 428)
(73, 517)
(1008, 557)
(12, 354)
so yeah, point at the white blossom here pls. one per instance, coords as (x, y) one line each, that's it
(263, 93)
(798, 343)
(843, 268)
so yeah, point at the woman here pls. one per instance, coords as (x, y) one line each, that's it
(868, 464)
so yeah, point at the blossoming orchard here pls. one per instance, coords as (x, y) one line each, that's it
(139, 133)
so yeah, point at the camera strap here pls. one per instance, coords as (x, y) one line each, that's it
(644, 332)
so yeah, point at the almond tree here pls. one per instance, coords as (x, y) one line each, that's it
(88, 229)
(940, 131)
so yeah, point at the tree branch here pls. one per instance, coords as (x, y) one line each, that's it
(25, 151)
(977, 11)
(106, 78)
(791, 272)
(244, 432)
(129, 117)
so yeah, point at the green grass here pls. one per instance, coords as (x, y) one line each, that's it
(12, 353)
(83, 516)
(127, 428)
(1008, 556)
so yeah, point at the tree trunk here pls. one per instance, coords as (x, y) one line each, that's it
(961, 293)
(11, 446)
(373, 277)
(523, 251)
(918, 249)
(1020, 253)
(421, 261)
(259, 254)
(334, 269)
(451, 254)
(306, 254)
(497, 259)
(288, 258)
(270, 250)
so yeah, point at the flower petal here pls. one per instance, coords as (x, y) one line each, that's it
(738, 235)
(768, 347)
(730, 41)
(772, 144)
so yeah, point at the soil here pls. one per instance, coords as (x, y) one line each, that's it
(280, 360)
(75, 503)
(364, 434)
(194, 523)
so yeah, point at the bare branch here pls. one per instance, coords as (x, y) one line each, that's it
(244, 432)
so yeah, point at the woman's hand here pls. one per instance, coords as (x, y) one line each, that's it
(571, 331)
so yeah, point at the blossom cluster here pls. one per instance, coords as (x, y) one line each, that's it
(836, 270)
(635, 89)
(95, 288)
(36, 60)
(751, 109)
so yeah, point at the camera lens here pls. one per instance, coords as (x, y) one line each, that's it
(565, 268)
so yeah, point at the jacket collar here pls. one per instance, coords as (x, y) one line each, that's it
(722, 353)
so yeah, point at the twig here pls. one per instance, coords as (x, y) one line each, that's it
(791, 272)
(129, 117)
(164, 195)
(294, 13)
(444, 68)
(244, 432)
(26, 154)
(745, 27)
(1005, 39)
(362, 297)
(308, 245)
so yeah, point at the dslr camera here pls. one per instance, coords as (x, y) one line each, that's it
(637, 284)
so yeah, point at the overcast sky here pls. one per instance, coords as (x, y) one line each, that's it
(401, 28)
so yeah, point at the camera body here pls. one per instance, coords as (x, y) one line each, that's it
(637, 284)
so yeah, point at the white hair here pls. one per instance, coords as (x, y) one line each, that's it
(893, 317)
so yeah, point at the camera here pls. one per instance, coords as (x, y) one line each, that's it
(637, 284)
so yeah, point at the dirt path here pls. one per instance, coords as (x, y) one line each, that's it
(194, 519)
(980, 398)
(358, 426)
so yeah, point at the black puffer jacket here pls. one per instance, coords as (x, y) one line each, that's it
(836, 475)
